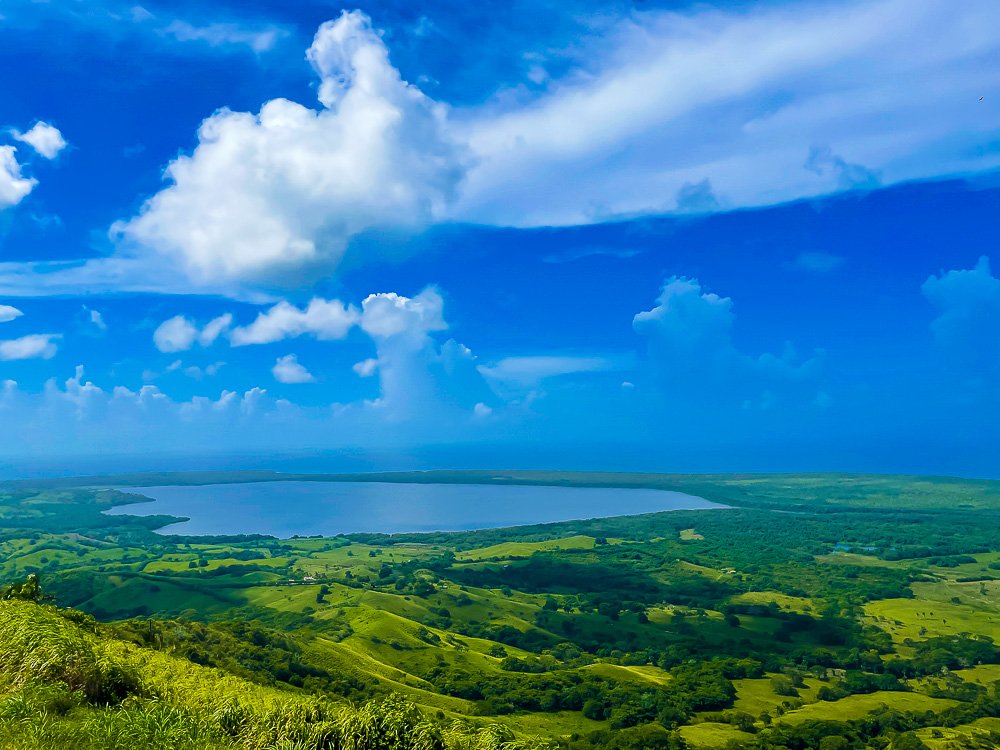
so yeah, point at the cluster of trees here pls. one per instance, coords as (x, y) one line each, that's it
(245, 648)
(702, 686)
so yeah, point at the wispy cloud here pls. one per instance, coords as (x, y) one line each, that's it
(225, 34)
(816, 262)
(527, 371)
(768, 103)
(209, 29)
(570, 256)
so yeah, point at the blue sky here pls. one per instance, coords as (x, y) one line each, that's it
(667, 236)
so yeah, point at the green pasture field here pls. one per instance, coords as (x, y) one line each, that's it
(800, 604)
(984, 674)
(508, 550)
(940, 609)
(857, 706)
(712, 735)
(982, 734)
(755, 696)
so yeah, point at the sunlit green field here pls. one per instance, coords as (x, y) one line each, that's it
(856, 706)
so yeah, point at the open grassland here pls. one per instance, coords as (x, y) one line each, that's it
(690, 535)
(984, 674)
(756, 696)
(509, 550)
(839, 557)
(982, 734)
(858, 706)
(561, 725)
(642, 675)
(940, 609)
(800, 604)
(712, 734)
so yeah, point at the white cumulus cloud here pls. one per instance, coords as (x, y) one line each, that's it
(288, 188)
(692, 353)
(44, 138)
(968, 305)
(179, 333)
(13, 186)
(366, 367)
(288, 370)
(34, 346)
(324, 319)
(419, 378)
(97, 320)
(386, 315)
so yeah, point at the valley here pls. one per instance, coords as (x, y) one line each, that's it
(815, 606)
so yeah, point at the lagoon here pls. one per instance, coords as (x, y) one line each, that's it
(283, 509)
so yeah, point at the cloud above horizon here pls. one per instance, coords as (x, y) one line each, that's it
(43, 138)
(13, 185)
(32, 346)
(9, 313)
(282, 192)
(694, 111)
(326, 320)
(765, 104)
(178, 334)
(289, 370)
(966, 327)
(692, 353)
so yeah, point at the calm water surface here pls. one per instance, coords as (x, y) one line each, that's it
(286, 508)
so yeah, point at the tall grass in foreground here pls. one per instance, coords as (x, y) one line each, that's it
(64, 686)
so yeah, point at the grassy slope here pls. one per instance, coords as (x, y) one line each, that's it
(65, 684)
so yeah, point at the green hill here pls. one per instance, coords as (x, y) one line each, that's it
(66, 683)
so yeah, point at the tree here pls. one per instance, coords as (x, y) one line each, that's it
(908, 741)
(594, 709)
(29, 590)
